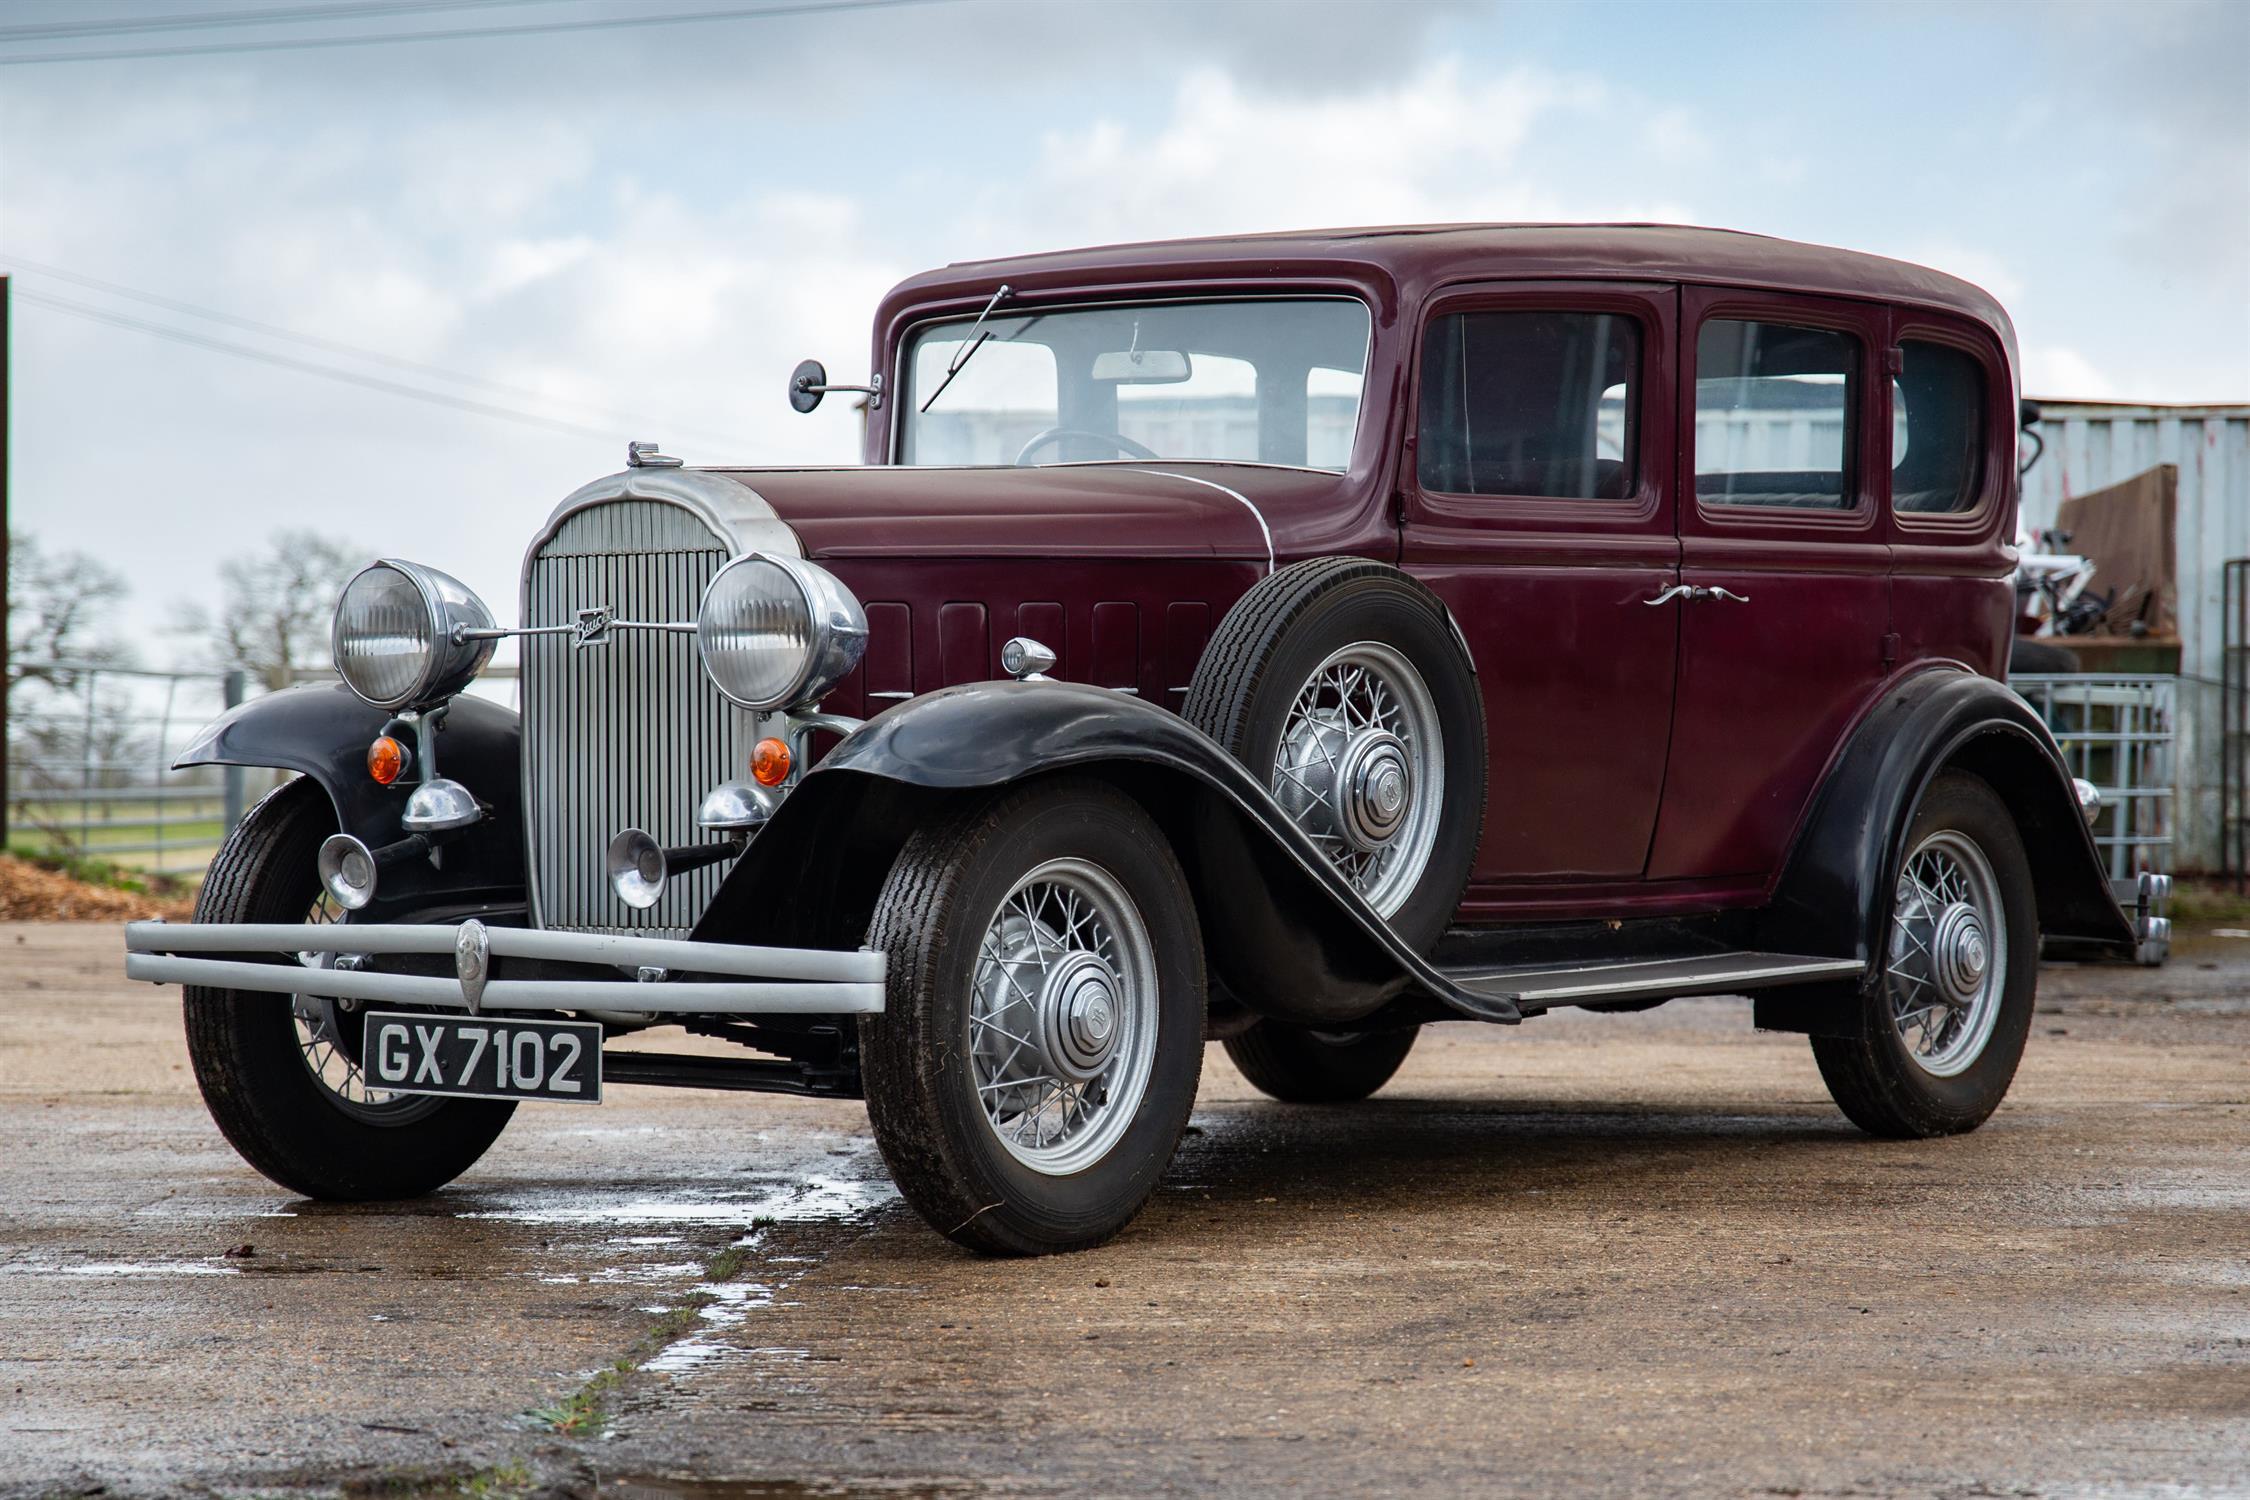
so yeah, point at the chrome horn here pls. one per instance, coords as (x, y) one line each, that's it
(639, 865)
(637, 869)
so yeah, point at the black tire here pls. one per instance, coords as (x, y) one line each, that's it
(1274, 638)
(1300, 1066)
(947, 887)
(1873, 1077)
(2027, 655)
(244, 1044)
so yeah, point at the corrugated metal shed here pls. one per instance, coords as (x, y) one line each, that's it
(2092, 444)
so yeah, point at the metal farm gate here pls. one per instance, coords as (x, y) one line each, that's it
(2118, 733)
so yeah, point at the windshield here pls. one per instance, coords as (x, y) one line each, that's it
(1273, 381)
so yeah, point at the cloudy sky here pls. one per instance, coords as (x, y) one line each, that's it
(571, 237)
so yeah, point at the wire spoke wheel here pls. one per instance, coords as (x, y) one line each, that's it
(1360, 767)
(1063, 1016)
(331, 1053)
(1948, 953)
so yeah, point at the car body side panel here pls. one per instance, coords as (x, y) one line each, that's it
(1771, 678)
(1576, 669)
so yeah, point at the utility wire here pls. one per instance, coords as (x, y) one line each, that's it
(661, 427)
(606, 23)
(307, 367)
(47, 31)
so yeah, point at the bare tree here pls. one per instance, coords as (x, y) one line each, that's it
(57, 608)
(274, 607)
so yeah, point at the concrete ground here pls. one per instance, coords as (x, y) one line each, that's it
(1595, 1255)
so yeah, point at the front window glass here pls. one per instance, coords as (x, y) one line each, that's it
(1773, 406)
(1271, 381)
(1530, 403)
(1937, 430)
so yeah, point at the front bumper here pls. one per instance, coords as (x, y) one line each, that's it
(659, 976)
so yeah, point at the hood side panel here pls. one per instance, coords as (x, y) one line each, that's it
(1114, 624)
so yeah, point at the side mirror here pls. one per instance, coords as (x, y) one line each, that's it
(809, 382)
(2027, 414)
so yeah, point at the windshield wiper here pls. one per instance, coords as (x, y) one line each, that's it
(954, 366)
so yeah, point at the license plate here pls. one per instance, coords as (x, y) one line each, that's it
(484, 1058)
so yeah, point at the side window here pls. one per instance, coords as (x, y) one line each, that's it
(1773, 415)
(1937, 431)
(1530, 403)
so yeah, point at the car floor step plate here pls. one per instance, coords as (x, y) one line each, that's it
(1647, 979)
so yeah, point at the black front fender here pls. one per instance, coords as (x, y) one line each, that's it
(1283, 932)
(323, 730)
(1835, 893)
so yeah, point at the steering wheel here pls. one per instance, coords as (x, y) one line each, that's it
(1117, 440)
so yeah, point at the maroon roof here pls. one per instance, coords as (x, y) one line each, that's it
(1412, 258)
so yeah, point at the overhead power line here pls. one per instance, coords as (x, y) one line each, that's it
(660, 427)
(48, 31)
(308, 367)
(478, 33)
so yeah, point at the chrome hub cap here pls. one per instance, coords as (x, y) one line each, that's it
(1078, 1017)
(1361, 769)
(1375, 784)
(1948, 953)
(1062, 1016)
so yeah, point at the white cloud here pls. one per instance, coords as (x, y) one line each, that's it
(1440, 144)
(2056, 372)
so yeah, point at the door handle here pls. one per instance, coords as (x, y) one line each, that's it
(1694, 593)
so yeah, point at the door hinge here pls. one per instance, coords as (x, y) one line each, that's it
(1890, 649)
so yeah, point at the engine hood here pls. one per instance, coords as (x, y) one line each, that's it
(1075, 510)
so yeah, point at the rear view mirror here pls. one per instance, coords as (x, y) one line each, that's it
(1142, 367)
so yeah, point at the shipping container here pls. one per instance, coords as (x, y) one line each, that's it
(2093, 444)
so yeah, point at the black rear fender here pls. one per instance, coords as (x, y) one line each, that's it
(1835, 893)
(323, 730)
(1283, 933)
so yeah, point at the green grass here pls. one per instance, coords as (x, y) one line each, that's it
(2207, 903)
(494, 1482)
(585, 1411)
(91, 869)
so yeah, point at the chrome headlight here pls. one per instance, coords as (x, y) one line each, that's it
(393, 639)
(778, 632)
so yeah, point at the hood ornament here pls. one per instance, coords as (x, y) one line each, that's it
(645, 456)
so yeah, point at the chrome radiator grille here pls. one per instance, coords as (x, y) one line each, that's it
(628, 732)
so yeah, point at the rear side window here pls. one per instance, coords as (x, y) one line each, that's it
(1937, 431)
(1773, 415)
(1530, 403)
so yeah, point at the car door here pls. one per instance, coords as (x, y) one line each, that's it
(1537, 504)
(1784, 550)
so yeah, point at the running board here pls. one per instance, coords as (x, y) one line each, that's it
(1539, 988)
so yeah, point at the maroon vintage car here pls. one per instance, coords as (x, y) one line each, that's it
(1291, 640)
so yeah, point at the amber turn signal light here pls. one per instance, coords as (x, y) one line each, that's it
(387, 759)
(769, 762)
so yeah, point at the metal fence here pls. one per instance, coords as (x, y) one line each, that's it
(90, 749)
(2117, 732)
